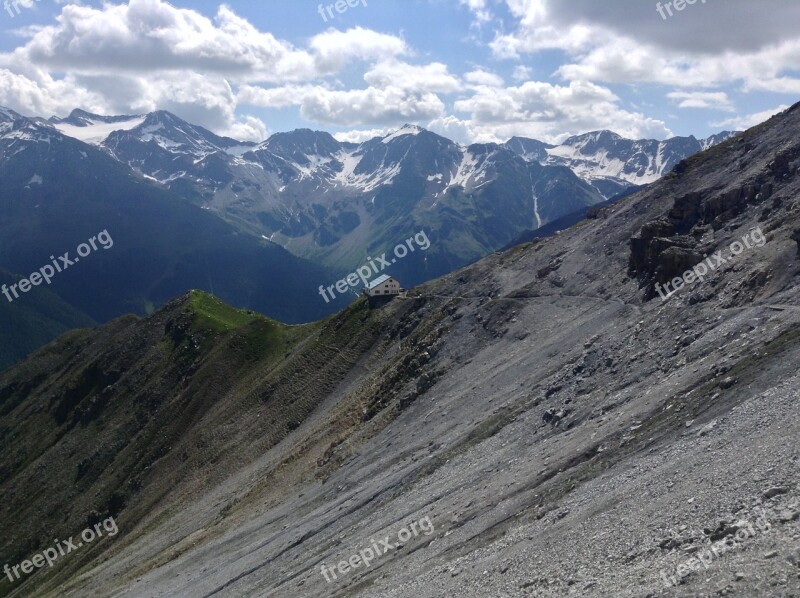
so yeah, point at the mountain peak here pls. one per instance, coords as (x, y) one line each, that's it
(602, 136)
(81, 118)
(300, 143)
(402, 131)
(162, 117)
(8, 115)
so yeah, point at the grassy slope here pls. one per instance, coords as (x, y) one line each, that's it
(141, 414)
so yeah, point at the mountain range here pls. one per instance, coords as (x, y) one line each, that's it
(264, 225)
(337, 202)
(611, 163)
(58, 192)
(564, 429)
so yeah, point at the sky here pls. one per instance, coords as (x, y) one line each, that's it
(471, 70)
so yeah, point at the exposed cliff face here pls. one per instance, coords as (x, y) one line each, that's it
(564, 434)
(668, 246)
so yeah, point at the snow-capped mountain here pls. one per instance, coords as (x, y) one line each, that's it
(16, 128)
(58, 190)
(339, 202)
(93, 128)
(612, 163)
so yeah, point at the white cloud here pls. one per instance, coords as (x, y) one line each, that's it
(712, 28)
(549, 112)
(741, 123)
(144, 36)
(627, 42)
(361, 135)
(433, 77)
(480, 10)
(37, 93)
(482, 77)
(371, 106)
(249, 128)
(626, 61)
(786, 85)
(701, 99)
(334, 49)
(147, 36)
(147, 54)
(276, 97)
(452, 127)
(522, 73)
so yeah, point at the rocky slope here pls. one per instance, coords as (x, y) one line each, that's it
(564, 430)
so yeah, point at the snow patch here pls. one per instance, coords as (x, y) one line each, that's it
(407, 130)
(97, 132)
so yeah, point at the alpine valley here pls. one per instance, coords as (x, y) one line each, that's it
(338, 203)
(561, 429)
(263, 225)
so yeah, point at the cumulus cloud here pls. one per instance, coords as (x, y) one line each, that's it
(480, 10)
(249, 128)
(709, 28)
(482, 77)
(151, 35)
(361, 135)
(433, 77)
(700, 99)
(148, 54)
(334, 49)
(626, 61)
(37, 93)
(211, 69)
(397, 92)
(628, 42)
(551, 111)
(741, 123)
(371, 106)
(522, 72)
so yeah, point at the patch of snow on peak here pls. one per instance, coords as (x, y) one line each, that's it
(465, 171)
(366, 182)
(315, 162)
(96, 132)
(596, 166)
(238, 150)
(407, 130)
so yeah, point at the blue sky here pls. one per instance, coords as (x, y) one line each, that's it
(473, 70)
